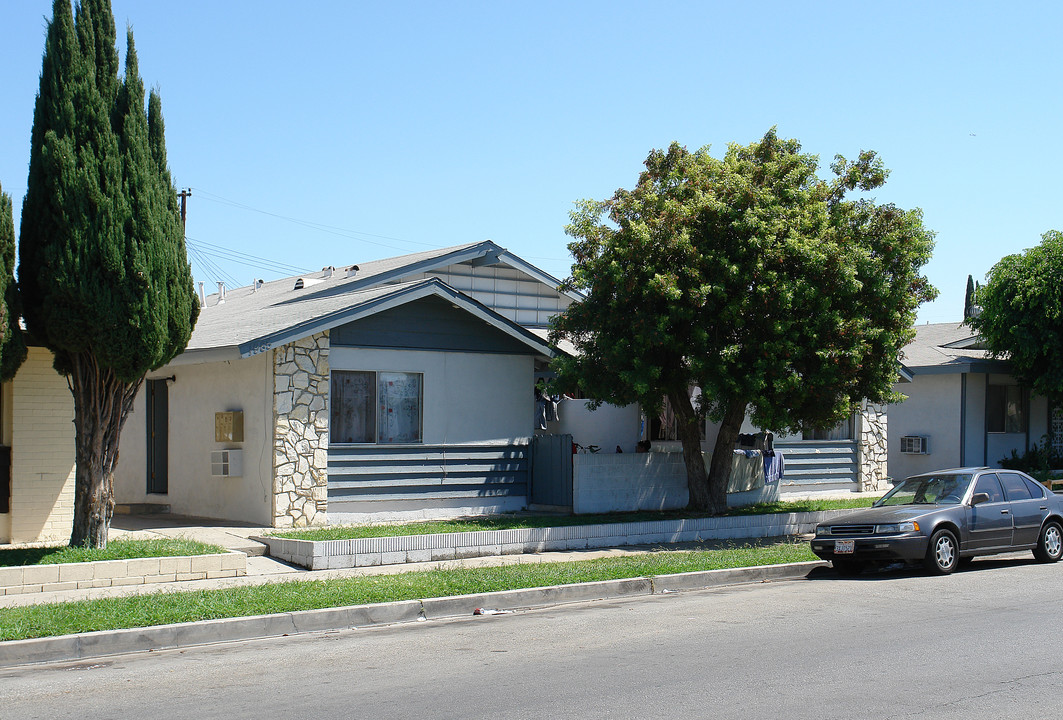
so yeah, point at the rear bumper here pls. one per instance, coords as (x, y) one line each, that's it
(906, 548)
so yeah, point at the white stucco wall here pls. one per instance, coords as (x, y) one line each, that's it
(468, 397)
(932, 409)
(606, 427)
(198, 392)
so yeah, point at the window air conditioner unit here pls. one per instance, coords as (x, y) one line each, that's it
(914, 445)
(227, 463)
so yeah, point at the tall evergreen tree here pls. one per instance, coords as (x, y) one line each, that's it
(968, 298)
(102, 265)
(12, 344)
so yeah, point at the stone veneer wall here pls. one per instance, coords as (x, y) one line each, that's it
(301, 432)
(872, 448)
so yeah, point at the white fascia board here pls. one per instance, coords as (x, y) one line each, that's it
(206, 355)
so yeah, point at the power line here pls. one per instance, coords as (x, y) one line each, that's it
(211, 268)
(242, 258)
(321, 227)
(332, 229)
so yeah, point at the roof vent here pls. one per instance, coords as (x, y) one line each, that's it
(305, 282)
(221, 292)
(352, 270)
(328, 272)
(202, 296)
(257, 284)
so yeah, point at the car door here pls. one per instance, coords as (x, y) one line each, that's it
(1027, 511)
(989, 524)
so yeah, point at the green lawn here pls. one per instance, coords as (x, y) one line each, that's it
(115, 550)
(171, 607)
(520, 521)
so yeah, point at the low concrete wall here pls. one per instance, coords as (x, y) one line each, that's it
(106, 573)
(628, 482)
(329, 554)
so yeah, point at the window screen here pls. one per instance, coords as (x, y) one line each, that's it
(372, 407)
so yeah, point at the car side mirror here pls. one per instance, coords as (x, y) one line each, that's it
(979, 498)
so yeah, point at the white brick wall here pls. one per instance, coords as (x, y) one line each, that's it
(42, 455)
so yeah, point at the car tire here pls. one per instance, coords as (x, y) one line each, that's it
(1050, 543)
(943, 553)
(848, 567)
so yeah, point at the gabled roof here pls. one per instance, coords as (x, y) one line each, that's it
(948, 348)
(257, 318)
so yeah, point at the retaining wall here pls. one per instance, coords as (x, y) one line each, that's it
(329, 554)
(107, 573)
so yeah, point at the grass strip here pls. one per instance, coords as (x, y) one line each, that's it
(522, 521)
(115, 550)
(173, 607)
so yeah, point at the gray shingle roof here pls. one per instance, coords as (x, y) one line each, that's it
(930, 351)
(252, 319)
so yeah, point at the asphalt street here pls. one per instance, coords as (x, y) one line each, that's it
(983, 643)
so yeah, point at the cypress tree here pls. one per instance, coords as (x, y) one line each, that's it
(102, 265)
(12, 344)
(968, 298)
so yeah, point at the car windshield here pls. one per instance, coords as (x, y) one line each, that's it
(928, 490)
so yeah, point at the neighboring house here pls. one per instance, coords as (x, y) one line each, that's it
(963, 407)
(397, 388)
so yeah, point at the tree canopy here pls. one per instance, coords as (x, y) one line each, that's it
(12, 344)
(1021, 315)
(102, 265)
(750, 278)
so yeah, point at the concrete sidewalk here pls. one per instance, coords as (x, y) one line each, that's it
(262, 569)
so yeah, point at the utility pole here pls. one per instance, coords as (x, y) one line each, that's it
(184, 195)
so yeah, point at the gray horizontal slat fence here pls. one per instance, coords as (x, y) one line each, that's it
(819, 464)
(365, 474)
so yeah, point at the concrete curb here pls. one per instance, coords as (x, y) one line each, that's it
(163, 637)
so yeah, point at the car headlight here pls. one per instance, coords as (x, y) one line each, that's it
(822, 530)
(895, 528)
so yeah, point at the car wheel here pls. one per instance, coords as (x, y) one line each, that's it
(943, 553)
(848, 567)
(1050, 544)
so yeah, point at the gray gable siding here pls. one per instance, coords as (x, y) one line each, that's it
(510, 292)
(430, 323)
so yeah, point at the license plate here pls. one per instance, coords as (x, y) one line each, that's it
(844, 547)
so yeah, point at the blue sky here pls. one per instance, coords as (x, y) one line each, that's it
(330, 133)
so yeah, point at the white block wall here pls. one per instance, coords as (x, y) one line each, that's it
(622, 482)
(42, 455)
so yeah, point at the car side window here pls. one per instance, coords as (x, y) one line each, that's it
(1037, 490)
(989, 485)
(1014, 487)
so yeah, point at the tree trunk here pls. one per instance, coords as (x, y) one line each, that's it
(689, 430)
(101, 405)
(723, 451)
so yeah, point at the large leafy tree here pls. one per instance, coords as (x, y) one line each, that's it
(102, 266)
(12, 344)
(751, 278)
(1021, 315)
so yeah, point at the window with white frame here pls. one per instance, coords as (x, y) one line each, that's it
(376, 407)
(1005, 409)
